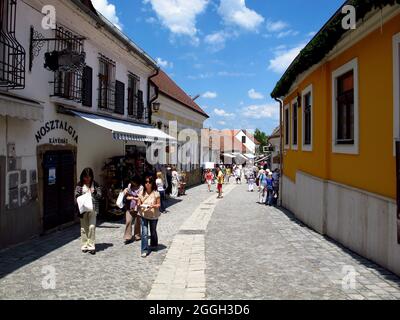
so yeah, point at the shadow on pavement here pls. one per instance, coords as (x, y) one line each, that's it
(374, 267)
(103, 246)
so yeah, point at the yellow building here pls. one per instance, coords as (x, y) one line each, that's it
(340, 121)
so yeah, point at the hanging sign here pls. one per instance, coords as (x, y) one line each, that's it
(54, 125)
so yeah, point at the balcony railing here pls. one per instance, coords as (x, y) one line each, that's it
(12, 54)
(68, 84)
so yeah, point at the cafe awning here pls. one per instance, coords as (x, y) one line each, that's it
(124, 130)
(16, 106)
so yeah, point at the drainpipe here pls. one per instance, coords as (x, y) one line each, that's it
(281, 149)
(150, 102)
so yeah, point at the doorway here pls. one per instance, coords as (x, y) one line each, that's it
(58, 188)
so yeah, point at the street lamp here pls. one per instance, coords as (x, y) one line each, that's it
(156, 107)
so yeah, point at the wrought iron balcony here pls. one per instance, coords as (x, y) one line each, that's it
(12, 54)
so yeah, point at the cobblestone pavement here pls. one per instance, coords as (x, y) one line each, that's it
(257, 252)
(115, 272)
(227, 249)
(182, 275)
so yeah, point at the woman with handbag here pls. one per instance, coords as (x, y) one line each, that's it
(132, 208)
(150, 204)
(85, 186)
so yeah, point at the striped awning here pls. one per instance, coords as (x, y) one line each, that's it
(124, 130)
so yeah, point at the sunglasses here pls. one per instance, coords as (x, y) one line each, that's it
(148, 181)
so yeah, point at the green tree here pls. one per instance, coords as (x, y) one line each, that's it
(262, 138)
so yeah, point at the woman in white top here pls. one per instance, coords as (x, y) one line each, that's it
(175, 183)
(161, 190)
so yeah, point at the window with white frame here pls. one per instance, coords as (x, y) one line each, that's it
(345, 109)
(295, 124)
(286, 119)
(396, 89)
(307, 119)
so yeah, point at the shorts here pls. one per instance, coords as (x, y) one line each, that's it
(209, 182)
(219, 187)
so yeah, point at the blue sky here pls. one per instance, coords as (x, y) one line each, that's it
(231, 52)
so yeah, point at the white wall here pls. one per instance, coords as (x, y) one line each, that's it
(364, 222)
(276, 143)
(250, 145)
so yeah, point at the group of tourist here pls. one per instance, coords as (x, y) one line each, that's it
(144, 200)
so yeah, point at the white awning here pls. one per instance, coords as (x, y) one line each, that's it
(19, 107)
(250, 156)
(126, 131)
(229, 155)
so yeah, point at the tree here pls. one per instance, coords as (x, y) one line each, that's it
(262, 138)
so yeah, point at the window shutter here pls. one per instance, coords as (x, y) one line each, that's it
(119, 97)
(87, 86)
(140, 108)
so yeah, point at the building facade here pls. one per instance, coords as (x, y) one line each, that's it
(179, 115)
(76, 95)
(340, 119)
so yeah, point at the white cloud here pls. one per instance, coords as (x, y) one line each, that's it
(151, 20)
(263, 111)
(223, 113)
(287, 33)
(210, 95)
(253, 94)
(276, 26)
(283, 58)
(235, 12)
(108, 10)
(179, 16)
(222, 123)
(164, 63)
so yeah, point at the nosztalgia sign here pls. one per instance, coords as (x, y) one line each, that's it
(56, 125)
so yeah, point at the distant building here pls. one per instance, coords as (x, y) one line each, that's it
(275, 144)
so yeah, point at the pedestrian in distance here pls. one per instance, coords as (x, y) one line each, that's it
(270, 189)
(209, 177)
(262, 178)
(175, 183)
(131, 194)
(251, 181)
(150, 204)
(238, 175)
(161, 189)
(87, 184)
(220, 180)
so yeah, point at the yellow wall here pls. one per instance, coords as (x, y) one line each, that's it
(373, 169)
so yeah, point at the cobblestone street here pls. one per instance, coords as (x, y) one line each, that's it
(232, 248)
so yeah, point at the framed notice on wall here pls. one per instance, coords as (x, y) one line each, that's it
(398, 188)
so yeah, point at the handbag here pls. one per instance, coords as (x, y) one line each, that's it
(120, 200)
(85, 203)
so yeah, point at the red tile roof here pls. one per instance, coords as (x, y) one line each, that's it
(168, 87)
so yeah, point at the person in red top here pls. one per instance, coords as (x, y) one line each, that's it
(209, 177)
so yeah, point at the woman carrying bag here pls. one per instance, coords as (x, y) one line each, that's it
(131, 210)
(150, 205)
(88, 211)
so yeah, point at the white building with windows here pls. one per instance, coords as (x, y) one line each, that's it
(59, 115)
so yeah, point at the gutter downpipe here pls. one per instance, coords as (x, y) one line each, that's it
(281, 150)
(150, 101)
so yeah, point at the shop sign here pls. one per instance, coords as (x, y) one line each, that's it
(53, 125)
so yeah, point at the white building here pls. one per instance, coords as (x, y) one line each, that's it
(54, 124)
(275, 142)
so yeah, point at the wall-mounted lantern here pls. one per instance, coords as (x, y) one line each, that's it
(156, 107)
